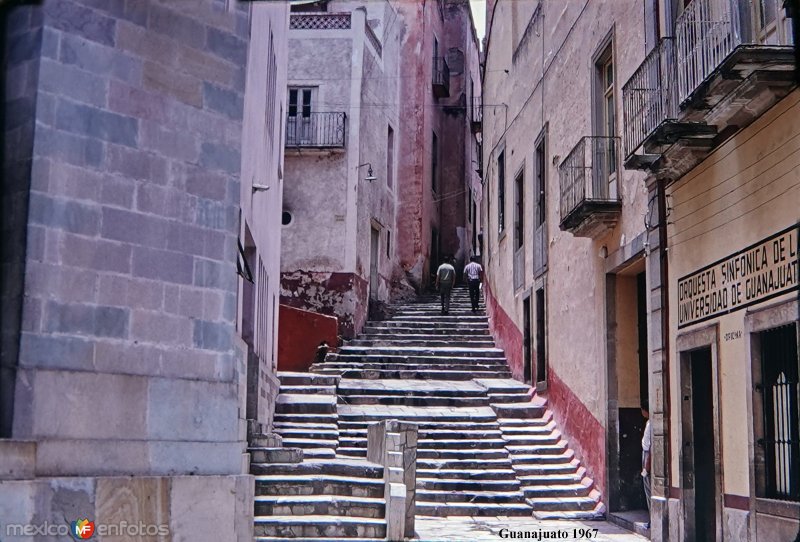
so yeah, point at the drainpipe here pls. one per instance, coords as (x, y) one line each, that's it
(665, 371)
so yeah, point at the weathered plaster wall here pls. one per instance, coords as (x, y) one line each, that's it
(547, 86)
(262, 164)
(538, 79)
(748, 189)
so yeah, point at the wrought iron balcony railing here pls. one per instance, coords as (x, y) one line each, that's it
(589, 177)
(441, 77)
(650, 95)
(317, 130)
(476, 114)
(705, 34)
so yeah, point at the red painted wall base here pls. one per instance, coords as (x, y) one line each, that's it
(584, 432)
(299, 334)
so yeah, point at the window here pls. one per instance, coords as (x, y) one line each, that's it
(390, 157)
(501, 192)
(604, 158)
(388, 244)
(435, 163)
(271, 97)
(298, 125)
(541, 199)
(779, 440)
(519, 224)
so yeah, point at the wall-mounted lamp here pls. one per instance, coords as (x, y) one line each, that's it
(260, 188)
(370, 177)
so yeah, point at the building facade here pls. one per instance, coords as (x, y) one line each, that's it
(370, 202)
(711, 116)
(564, 231)
(655, 262)
(124, 375)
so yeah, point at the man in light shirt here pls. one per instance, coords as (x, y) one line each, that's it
(445, 278)
(473, 272)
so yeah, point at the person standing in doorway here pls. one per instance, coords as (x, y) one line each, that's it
(445, 278)
(474, 275)
(646, 461)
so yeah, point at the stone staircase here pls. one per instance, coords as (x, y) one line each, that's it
(487, 445)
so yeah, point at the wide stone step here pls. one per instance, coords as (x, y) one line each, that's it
(465, 473)
(399, 366)
(472, 509)
(596, 513)
(553, 479)
(311, 390)
(295, 403)
(529, 429)
(309, 442)
(566, 456)
(496, 398)
(526, 410)
(434, 435)
(307, 432)
(410, 388)
(457, 485)
(434, 334)
(539, 450)
(428, 328)
(515, 439)
(565, 504)
(436, 444)
(306, 418)
(416, 414)
(503, 385)
(434, 426)
(463, 464)
(319, 505)
(440, 318)
(538, 469)
(305, 379)
(319, 453)
(319, 484)
(275, 455)
(440, 496)
(412, 401)
(359, 469)
(508, 423)
(306, 426)
(447, 352)
(404, 357)
(416, 374)
(581, 489)
(320, 527)
(400, 341)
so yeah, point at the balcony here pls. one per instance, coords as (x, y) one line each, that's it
(441, 77)
(695, 90)
(476, 114)
(650, 107)
(590, 205)
(322, 131)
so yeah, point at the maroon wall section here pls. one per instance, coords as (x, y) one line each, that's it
(582, 430)
(299, 334)
(340, 295)
(505, 333)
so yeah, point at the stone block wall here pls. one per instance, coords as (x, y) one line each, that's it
(130, 280)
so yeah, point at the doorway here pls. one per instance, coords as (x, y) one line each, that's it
(541, 340)
(374, 253)
(699, 446)
(627, 373)
(527, 360)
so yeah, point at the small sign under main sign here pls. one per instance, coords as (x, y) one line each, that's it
(760, 272)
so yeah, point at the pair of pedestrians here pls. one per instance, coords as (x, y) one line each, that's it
(446, 277)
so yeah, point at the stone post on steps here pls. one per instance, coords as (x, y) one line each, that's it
(393, 444)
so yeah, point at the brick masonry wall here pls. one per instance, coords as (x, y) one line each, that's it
(130, 285)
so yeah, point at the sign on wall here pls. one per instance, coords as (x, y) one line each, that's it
(757, 273)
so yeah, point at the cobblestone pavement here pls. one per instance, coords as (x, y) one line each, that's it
(480, 529)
